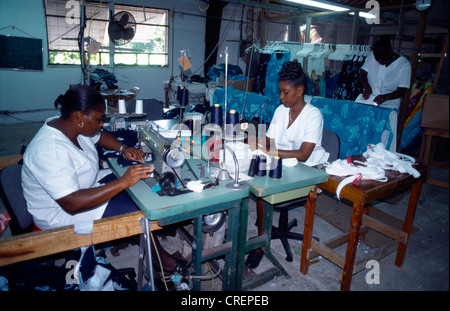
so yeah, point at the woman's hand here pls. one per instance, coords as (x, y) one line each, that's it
(133, 154)
(380, 99)
(135, 173)
(367, 92)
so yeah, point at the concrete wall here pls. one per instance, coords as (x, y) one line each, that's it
(28, 90)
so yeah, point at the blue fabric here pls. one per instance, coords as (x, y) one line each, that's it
(120, 204)
(127, 137)
(272, 88)
(330, 85)
(219, 70)
(411, 130)
(256, 104)
(356, 125)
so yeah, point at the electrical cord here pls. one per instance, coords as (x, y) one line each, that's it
(159, 260)
(92, 17)
(207, 6)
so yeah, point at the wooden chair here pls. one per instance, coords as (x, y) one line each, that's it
(435, 122)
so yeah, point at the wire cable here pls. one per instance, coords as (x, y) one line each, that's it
(92, 17)
(210, 271)
(14, 27)
(207, 6)
(159, 260)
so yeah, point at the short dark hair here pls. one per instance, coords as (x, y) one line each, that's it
(382, 48)
(79, 98)
(292, 71)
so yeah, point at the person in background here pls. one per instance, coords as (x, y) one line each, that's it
(385, 74)
(61, 179)
(294, 134)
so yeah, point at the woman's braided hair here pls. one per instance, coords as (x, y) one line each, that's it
(292, 71)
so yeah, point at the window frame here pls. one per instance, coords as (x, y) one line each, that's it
(109, 50)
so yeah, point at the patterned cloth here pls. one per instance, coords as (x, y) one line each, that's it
(272, 89)
(357, 125)
(255, 104)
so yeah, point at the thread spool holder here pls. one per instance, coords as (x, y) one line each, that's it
(223, 173)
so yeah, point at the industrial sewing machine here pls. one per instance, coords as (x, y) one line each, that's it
(168, 151)
(166, 155)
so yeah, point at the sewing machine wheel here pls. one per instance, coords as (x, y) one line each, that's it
(167, 183)
(174, 157)
(213, 222)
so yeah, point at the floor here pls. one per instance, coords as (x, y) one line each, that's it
(425, 268)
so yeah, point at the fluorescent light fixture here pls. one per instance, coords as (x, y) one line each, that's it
(327, 6)
(320, 5)
(364, 14)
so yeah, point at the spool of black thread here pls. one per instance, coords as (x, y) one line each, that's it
(179, 93)
(262, 165)
(216, 115)
(231, 121)
(184, 96)
(275, 167)
(253, 166)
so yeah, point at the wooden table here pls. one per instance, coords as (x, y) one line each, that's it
(362, 193)
(113, 96)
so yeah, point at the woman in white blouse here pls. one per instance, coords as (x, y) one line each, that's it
(385, 74)
(294, 134)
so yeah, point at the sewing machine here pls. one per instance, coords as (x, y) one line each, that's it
(165, 150)
(168, 152)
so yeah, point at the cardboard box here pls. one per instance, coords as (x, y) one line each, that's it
(435, 112)
(240, 84)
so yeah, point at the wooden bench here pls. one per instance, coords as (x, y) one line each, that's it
(48, 242)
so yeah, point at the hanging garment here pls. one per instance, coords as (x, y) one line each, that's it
(310, 87)
(348, 86)
(330, 82)
(261, 71)
(272, 90)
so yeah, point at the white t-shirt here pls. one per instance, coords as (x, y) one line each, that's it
(385, 80)
(307, 127)
(54, 167)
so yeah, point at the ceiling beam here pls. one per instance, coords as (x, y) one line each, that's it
(266, 6)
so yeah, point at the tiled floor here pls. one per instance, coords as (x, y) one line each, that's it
(426, 265)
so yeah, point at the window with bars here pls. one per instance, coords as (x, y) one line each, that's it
(148, 46)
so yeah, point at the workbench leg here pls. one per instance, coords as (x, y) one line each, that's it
(308, 230)
(414, 197)
(241, 243)
(140, 272)
(230, 266)
(145, 251)
(197, 246)
(350, 255)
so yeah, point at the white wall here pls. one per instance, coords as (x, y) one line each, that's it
(27, 90)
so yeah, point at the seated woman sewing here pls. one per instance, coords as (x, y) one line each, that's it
(295, 132)
(61, 179)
